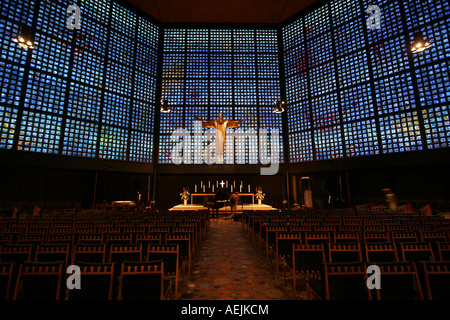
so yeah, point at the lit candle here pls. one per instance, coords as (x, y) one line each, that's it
(234, 184)
(248, 188)
(195, 188)
(231, 188)
(240, 188)
(213, 188)
(201, 184)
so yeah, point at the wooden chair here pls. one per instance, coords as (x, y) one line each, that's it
(143, 281)
(97, 280)
(52, 253)
(283, 249)
(399, 281)
(346, 237)
(184, 242)
(344, 252)
(89, 253)
(146, 239)
(39, 281)
(307, 262)
(119, 238)
(341, 281)
(270, 239)
(375, 236)
(18, 253)
(444, 251)
(170, 255)
(6, 279)
(125, 252)
(415, 252)
(380, 252)
(433, 237)
(437, 280)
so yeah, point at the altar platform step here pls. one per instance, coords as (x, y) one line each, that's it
(240, 208)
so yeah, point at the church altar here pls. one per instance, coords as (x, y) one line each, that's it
(212, 195)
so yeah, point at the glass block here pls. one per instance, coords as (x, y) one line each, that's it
(8, 121)
(437, 126)
(39, 132)
(113, 143)
(80, 138)
(45, 93)
(400, 133)
(361, 138)
(395, 94)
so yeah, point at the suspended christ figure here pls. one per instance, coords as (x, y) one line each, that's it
(221, 127)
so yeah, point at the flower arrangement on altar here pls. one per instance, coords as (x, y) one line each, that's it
(259, 194)
(185, 194)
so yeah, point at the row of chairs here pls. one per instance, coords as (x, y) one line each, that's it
(397, 281)
(128, 280)
(175, 252)
(305, 252)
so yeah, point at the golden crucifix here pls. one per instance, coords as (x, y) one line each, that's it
(221, 127)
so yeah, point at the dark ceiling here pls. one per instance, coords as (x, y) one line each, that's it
(221, 11)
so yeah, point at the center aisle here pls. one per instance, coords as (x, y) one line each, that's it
(229, 268)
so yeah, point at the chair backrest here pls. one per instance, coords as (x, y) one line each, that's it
(61, 238)
(308, 258)
(284, 242)
(52, 252)
(16, 252)
(184, 242)
(97, 238)
(317, 237)
(399, 281)
(418, 251)
(97, 282)
(141, 281)
(437, 279)
(39, 281)
(119, 238)
(344, 252)
(6, 280)
(346, 237)
(444, 251)
(380, 252)
(376, 236)
(346, 281)
(89, 253)
(169, 253)
(122, 252)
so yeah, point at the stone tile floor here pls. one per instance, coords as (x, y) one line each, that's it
(229, 267)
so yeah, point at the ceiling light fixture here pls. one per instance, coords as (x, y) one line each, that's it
(24, 39)
(279, 106)
(164, 106)
(419, 44)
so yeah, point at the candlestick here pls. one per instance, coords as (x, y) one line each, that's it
(204, 188)
(213, 188)
(201, 184)
(226, 184)
(209, 184)
(231, 188)
(195, 188)
(248, 188)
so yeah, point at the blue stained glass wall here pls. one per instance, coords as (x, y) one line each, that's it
(207, 71)
(353, 91)
(84, 93)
